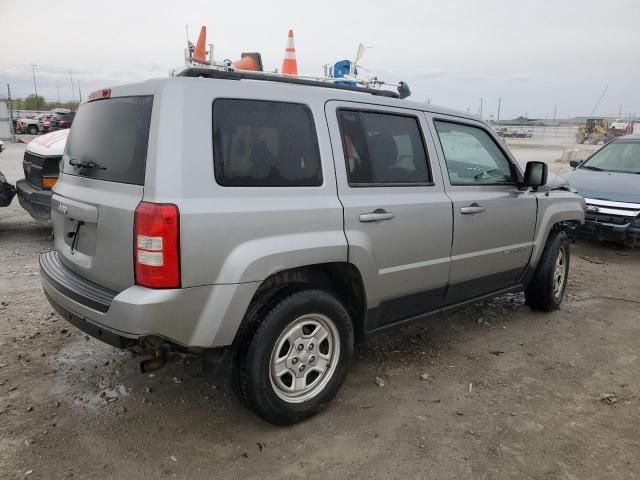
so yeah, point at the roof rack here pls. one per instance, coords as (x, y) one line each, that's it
(270, 77)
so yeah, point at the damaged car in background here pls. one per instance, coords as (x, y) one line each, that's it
(609, 180)
(41, 164)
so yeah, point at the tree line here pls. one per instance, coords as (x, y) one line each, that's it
(33, 102)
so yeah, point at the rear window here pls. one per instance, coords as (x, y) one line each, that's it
(113, 134)
(264, 144)
(383, 149)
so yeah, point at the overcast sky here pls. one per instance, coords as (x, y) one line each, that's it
(533, 54)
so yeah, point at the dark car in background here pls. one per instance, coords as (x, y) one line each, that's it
(57, 121)
(609, 180)
(63, 121)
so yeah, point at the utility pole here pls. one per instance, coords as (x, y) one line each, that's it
(499, 104)
(12, 129)
(480, 110)
(35, 85)
(620, 111)
(79, 94)
(58, 95)
(73, 94)
(555, 110)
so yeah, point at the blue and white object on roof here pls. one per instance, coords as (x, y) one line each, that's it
(341, 69)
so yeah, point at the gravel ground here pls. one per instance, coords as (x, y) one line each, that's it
(491, 392)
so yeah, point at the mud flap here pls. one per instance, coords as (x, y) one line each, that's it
(7, 192)
(216, 364)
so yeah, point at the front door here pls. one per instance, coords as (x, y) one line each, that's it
(397, 217)
(494, 220)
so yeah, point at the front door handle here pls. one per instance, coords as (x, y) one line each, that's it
(376, 215)
(473, 208)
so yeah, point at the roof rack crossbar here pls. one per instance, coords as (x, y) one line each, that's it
(234, 75)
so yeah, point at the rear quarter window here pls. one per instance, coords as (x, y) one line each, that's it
(114, 134)
(260, 143)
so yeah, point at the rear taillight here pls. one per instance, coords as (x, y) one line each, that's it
(157, 245)
(61, 123)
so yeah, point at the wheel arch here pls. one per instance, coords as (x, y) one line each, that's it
(340, 278)
(556, 210)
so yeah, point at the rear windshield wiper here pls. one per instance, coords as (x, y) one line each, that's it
(86, 164)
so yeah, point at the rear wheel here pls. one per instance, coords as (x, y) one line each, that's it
(580, 137)
(297, 358)
(32, 130)
(546, 289)
(594, 139)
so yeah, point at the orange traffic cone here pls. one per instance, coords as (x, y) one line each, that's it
(200, 53)
(249, 61)
(289, 64)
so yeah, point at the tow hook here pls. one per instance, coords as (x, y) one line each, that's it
(154, 363)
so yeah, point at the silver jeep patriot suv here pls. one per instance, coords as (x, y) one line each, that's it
(272, 222)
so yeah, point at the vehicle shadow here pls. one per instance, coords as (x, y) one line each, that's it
(15, 225)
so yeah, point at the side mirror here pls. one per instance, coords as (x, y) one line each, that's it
(575, 163)
(535, 174)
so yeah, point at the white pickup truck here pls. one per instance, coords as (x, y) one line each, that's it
(41, 169)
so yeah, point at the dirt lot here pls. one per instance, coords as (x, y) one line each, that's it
(510, 393)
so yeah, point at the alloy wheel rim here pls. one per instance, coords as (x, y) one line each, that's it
(559, 274)
(304, 358)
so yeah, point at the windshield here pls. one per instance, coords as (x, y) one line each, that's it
(621, 157)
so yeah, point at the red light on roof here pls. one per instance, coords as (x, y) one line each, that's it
(100, 94)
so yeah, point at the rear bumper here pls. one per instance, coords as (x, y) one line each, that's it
(206, 316)
(106, 336)
(36, 202)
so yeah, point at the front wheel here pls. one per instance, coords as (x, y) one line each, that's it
(298, 357)
(32, 130)
(546, 289)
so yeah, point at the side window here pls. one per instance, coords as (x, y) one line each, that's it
(264, 144)
(472, 157)
(383, 148)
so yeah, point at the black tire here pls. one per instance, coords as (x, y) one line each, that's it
(254, 351)
(580, 138)
(543, 293)
(32, 130)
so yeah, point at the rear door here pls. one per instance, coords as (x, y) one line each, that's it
(493, 219)
(101, 185)
(397, 218)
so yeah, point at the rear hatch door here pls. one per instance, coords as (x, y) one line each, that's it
(101, 184)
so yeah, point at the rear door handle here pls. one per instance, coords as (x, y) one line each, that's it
(376, 215)
(473, 208)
